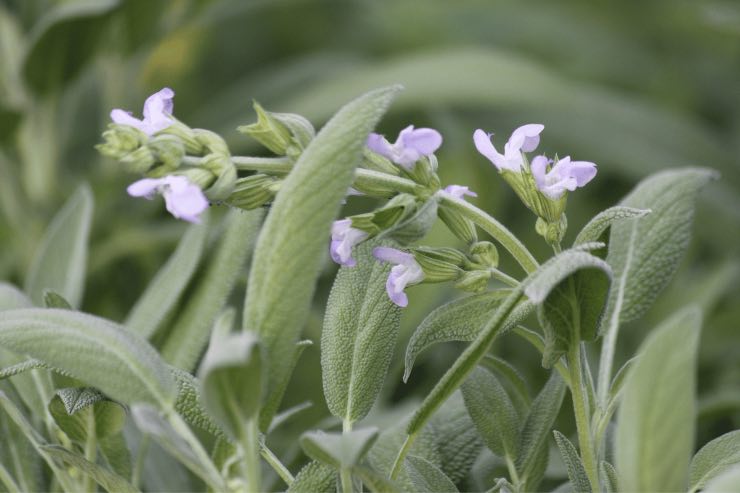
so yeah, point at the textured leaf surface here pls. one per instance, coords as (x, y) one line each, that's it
(165, 289)
(644, 252)
(574, 466)
(492, 412)
(75, 409)
(284, 270)
(714, 458)
(315, 477)
(94, 350)
(427, 477)
(655, 431)
(339, 449)
(727, 482)
(359, 335)
(109, 480)
(60, 261)
(191, 331)
(596, 227)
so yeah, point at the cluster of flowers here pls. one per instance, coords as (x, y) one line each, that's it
(541, 184)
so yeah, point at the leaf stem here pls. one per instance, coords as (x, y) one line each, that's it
(276, 465)
(214, 478)
(250, 455)
(580, 409)
(405, 448)
(91, 450)
(345, 475)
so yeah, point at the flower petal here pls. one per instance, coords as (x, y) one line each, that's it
(122, 117)
(484, 145)
(186, 203)
(380, 145)
(393, 255)
(582, 171)
(459, 191)
(527, 137)
(398, 297)
(538, 166)
(424, 140)
(146, 187)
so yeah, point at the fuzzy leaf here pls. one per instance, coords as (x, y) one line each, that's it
(713, 459)
(415, 227)
(644, 252)
(59, 264)
(574, 466)
(284, 271)
(598, 226)
(109, 480)
(655, 431)
(315, 477)
(339, 449)
(359, 336)
(610, 480)
(427, 477)
(76, 409)
(165, 289)
(727, 482)
(493, 413)
(94, 350)
(12, 297)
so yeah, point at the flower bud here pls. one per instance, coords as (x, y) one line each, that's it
(460, 226)
(168, 151)
(282, 133)
(213, 142)
(439, 264)
(474, 281)
(186, 136)
(376, 162)
(484, 253)
(424, 172)
(224, 171)
(253, 191)
(552, 232)
(526, 189)
(140, 161)
(121, 140)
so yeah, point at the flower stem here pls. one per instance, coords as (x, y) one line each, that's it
(251, 456)
(580, 409)
(497, 230)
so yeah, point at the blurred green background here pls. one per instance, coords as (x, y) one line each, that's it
(635, 86)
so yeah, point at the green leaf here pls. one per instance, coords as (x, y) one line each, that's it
(536, 430)
(727, 482)
(315, 477)
(574, 466)
(655, 431)
(713, 459)
(570, 290)
(53, 299)
(12, 297)
(644, 252)
(492, 412)
(417, 226)
(284, 271)
(18, 457)
(359, 335)
(115, 450)
(512, 378)
(165, 289)
(339, 450)
(63, 40)
(109, 480)
(189, 403)
(427, 477)
(609, 477)
(231, 376)
(598, 226)
(59, 263)
(76, 409)
(189, 335)
(94, 350)
(375, 481)
(458, 320)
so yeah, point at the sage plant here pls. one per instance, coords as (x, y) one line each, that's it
(85, 396)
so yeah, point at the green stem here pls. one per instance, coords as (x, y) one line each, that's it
(140, 456)
(276, 465)
(405, 448)
(214, 479)
(504, 278)
(91, 451)
(397, 183)
(580, 409)
(345, 475)
(251, 456)
(497, 230)
(7, 480)
(512, 472)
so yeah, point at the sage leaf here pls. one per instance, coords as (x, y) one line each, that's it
(360, 329)
(231, 376)
(644, 252)
(376, 482)
(12, 297)
(339, 450)
(609, 477)
(53, 299)
(713, 459)
(94, 350)
(415, 227)
(427, 477)
(574, 466)
(189, 403)
(655, 430)
(163, 292)
(493, 413)
(189, 335)
(109, 480)
(284, 271)
(315, 477)
(76, 409)
(726, 482)
(597, 227)
(458, 320)
(59, 264)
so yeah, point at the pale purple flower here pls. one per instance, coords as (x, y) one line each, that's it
(157, 113)
(406, 271)
(564, 175)
(459, 191)
(183, 199)
(343, 238)
(410, 146)
(524, 139)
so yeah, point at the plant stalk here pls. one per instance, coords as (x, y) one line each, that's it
(345, 475)
(276, 465)
(251, 456)
(580, 409)
(91, 451)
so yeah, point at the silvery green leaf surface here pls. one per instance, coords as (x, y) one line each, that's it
(713, 459)
(727, 482)
(375, 481)
(190, 332)
(644, 252)
(18, 455)
(609, 477)
(359, 335)
(115, 451)
(109, 480)
(595, 229)
(512, 379)
(493, 413)
(415, 227)
(94, 350)
(79, 410)
(232, 380)
(162, 293)
(284, 271)
(425, 476)
(571, 290)
(656, 418)
(536, 431)
(574, 466)
(339, 449)
(189, 403)
(52, 299)
(459, 320)
(60, 261)
(315, 477)
(12, 297)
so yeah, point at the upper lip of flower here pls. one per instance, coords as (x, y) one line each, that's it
(183, 199)
(564, 175)
(157, 113)
(410, 146)
(406, 271)
(524, 139)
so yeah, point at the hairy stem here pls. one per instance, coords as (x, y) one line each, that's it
(251, 457)
(345, 475)
(276, 465)
(580, 409)
(405, 448)
(214, 479)
(91, 450)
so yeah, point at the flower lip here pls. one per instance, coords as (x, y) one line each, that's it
(183, 199)
(524, 139)
(410, 146)
(343, 238)
(564, 175)
(157, 113)
(406, 271)
(459, 191)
